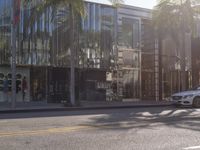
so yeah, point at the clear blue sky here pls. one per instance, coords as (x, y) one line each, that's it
(139, 3)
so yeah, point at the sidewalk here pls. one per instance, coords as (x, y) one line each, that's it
(142, 103)
(85, 105)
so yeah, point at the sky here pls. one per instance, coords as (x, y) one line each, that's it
(140, 3)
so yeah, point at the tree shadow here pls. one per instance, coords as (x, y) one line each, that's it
(152, 118)
(125, 119)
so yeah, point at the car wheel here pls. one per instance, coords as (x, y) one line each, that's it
(196, 102)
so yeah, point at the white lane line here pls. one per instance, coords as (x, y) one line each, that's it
(193, 147)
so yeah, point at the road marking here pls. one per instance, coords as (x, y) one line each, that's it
(45, 131)
(63, 129)
(60, 130)
(192, 147)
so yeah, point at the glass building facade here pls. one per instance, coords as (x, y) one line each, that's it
(46, 42)
(109, 53)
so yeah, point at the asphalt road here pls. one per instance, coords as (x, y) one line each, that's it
(115, 129)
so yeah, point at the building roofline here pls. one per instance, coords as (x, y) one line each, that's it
(122, 6)
(109, 5)
(135, 8)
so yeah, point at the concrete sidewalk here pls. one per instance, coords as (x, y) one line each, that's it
(84, 105)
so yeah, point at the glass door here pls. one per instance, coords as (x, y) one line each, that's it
(129, 75)
(131, 82)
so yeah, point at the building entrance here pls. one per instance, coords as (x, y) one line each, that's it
(131, 84)
(129, 58)
(129, 74)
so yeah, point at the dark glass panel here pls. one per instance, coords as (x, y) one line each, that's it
(19, 76)
(130, 33)
(1, 82)
(1, 75)
(9, 76)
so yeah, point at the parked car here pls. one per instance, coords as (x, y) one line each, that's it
(187, 98)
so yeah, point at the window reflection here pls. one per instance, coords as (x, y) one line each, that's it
(130, 33)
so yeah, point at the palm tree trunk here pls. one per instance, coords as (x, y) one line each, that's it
(72, 57)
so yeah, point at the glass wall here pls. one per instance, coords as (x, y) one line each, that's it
(46, 41)
(43, 45)
(96, 51)
(97, 37)
(130, 33)
(43, 50)
(59, 42)
(33, 44)
(129, 58)
(33, 41)
(5, 12)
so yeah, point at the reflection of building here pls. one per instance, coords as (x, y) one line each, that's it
(115, 41)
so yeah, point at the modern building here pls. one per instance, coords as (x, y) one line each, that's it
(117, 54)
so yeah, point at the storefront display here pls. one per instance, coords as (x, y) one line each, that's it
(5, 72)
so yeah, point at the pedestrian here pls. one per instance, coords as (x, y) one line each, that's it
(5, 88)
(24, 87)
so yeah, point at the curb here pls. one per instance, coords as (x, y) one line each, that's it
(80, 108)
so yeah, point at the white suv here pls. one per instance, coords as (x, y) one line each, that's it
(187, 98)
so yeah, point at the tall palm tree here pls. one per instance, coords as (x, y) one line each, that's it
(75, 7)
(175, 18)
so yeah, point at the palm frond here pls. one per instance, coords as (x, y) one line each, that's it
(173, 14)
(43, 5)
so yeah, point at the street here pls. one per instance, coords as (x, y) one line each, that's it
(157, 128)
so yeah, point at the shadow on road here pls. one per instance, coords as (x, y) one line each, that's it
(186, 118)
(124, 119)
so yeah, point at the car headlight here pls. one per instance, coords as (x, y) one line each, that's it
(188, 96)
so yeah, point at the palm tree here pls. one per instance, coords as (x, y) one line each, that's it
(174, 18)
(75, 7)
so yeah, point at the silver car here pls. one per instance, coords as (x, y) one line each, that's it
(187, 98)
